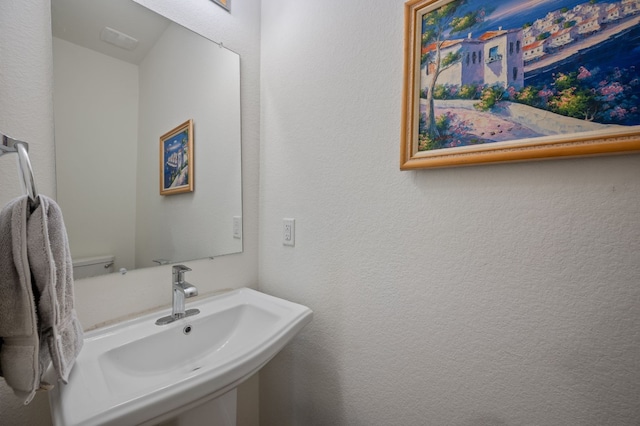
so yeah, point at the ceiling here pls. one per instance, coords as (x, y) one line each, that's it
(81, 22)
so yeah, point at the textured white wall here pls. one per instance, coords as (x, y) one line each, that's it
(25, 107)
(492, 295)
(26, 112)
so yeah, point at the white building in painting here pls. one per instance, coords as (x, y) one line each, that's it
(589, 26)
(562, 37)
(630, 7)
(612, 13)
(496, 57)
(535, 50)
(503, 53)
(529, 35)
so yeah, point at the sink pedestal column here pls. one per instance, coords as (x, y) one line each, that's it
(220, 412)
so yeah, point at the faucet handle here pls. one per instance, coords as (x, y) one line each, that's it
(181, 268)
(178, 272)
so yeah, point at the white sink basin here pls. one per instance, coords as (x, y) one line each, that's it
(136, 371)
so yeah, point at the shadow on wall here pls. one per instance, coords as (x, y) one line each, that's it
(317, 395)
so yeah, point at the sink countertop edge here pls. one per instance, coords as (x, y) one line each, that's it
(168, 399)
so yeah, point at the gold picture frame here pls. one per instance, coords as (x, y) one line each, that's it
(176, 160)
(451, 34)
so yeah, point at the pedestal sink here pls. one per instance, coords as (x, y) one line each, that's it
(137, 372)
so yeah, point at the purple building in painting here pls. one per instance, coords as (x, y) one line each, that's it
(496, 57)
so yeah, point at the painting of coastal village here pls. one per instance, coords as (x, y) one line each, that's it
(516, 69)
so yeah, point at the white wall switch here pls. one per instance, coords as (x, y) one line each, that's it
(237, 227)
(289, 232)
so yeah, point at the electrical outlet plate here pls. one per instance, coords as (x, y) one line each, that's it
(289, 232)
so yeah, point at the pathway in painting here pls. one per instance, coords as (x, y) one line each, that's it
(487, 126)
(508, 122)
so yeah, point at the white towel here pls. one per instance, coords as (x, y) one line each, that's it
(41, 235)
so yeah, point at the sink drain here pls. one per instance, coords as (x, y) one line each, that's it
(187, 329)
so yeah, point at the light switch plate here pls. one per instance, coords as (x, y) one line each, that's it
(237, 227)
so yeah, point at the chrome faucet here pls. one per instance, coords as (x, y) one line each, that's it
(181, 290)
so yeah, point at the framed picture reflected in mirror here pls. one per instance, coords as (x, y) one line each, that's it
(226, 4)
(176, 160)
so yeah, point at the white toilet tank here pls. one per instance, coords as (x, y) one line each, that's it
(85, 267)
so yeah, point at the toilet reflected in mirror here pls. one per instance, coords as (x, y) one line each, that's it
(86, 267)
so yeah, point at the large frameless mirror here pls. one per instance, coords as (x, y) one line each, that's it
(124, 77)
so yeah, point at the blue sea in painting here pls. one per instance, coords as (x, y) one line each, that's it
(610, 64)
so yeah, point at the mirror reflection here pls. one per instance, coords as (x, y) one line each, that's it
(123, 77)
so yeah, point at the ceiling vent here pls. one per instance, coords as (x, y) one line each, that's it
(117, 38)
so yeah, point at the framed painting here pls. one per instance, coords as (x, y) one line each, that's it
(176, 160)
(223, 3)
(516, 80)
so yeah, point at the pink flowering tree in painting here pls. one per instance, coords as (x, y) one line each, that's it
(435, 26)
